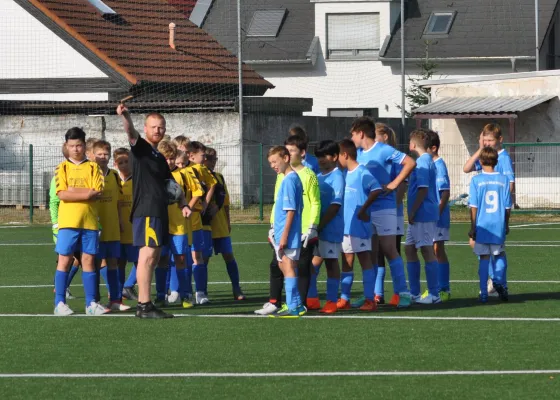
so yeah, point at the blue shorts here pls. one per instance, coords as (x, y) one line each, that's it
(71, 240)
(198, 240)
(150, 232)
(129, 253)
(108, 250)
(208, 244)
(178, 245)
(223, 246)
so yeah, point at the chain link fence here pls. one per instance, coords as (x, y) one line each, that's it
(26, 172)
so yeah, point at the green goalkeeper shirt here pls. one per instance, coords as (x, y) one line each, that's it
(311, 198)
(54, 202)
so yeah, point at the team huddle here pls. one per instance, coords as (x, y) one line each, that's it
(345, 203)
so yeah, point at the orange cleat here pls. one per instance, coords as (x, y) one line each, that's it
(394, 300)
(379, 299)
(369, 305)
(329, 308)
(342, 304)
(313, 303)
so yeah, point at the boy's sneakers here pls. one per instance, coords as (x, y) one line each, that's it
(130, 293)
(238, 294)
(287, 313)
(62, 310)
(329, 308)
(414, 298)
(491, 289)
(150, 311)
(267, 309)
(187, 302)
(118, 306)
(369, 305)
(69, 295)
(202, 298)
(502, 292)
(394, 300)
(342, 304)
(313, 303)
(173, 298)
(95, 309)
(405, 300)
(445, 295)
(358, 303)
(429, 299)
(379, 299)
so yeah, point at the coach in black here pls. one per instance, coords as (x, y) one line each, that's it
(149, 204)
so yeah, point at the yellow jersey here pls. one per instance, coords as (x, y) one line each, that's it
(83, 175)
(177, 223)
(220, 227)
(108, 208)
(196, 190)
(125, 208)
(207, 181)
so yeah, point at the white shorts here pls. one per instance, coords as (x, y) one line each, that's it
(400, 225)
(292, 254)
(329, 250)
(442, 235)
(384, 222)
(353, 245)
(481, 249)
(421, 234)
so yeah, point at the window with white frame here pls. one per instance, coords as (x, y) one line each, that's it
(353, 35)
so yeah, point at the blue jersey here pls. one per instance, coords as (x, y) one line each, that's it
(379, 160)
(490, 195)
(332, 189)
(424, 176)
(443, 184)
(359, 184)
(310, 161)
(289, 198)
(504, 167)
(397, 168)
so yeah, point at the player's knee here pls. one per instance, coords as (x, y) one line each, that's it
(228, 257)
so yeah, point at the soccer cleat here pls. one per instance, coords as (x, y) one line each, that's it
(342, 304)
(173, 298)
(429, 299)
(414, 298)
(445, 295)
(130, 293)
(379, 299)
(313, 303)
(239, 295)
(283, 307)
(187, 302)
(161, 302)
(202, 298)
(405, 300)
(150, 311)
(118, 306)
(358, 303)
(329, 308)
(267, 309)
(492, 293)
(502, 292)
(62, 310)
(394, 300)
(95, 309)
(287, 313)
(69, 295)
(491, 289)
(483, 298)
(369, 305)
(426, 292)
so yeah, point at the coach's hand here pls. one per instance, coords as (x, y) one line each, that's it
(310, 236)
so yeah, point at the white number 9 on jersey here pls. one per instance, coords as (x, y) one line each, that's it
(491, 200)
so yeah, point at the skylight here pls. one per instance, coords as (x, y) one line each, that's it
(439, 23)
(266, 23)
(103, 8)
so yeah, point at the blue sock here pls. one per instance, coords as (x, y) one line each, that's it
(292, 295)
(161, 282)
(181, 277)
(397, 275)
(198, 277)
(431, 269)
(380, 281)
(483, 276)
(167, 278)
(71, 275)
(368, 278)
(491, 267)
(113, 282)
(173, 278)
(103, 272)
(500, 268)
(131, 280)
(414, 277)
(89, 280)
(189, 274)
(313, 293)
(60, 279)
(346, 280)
(233, 272)
(332, 289)
(443, 277)
(122, 277)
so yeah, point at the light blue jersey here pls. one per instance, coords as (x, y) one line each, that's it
(424, 176)
(443, 184)
(504, 167)
(289, 198)
(379, 160)
(310, 161)
(359, 184)
(332, 189)
(490, 195)
(397, 168)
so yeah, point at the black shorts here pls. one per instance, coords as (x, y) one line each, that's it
(150, 232)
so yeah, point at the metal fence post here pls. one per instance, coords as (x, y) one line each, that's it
(30, 183)
(261, 200)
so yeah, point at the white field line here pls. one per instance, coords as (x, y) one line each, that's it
(336, 316)
(535, 224)
(279, 374)
(265, 283)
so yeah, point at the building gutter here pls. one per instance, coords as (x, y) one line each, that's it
(461, 59)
